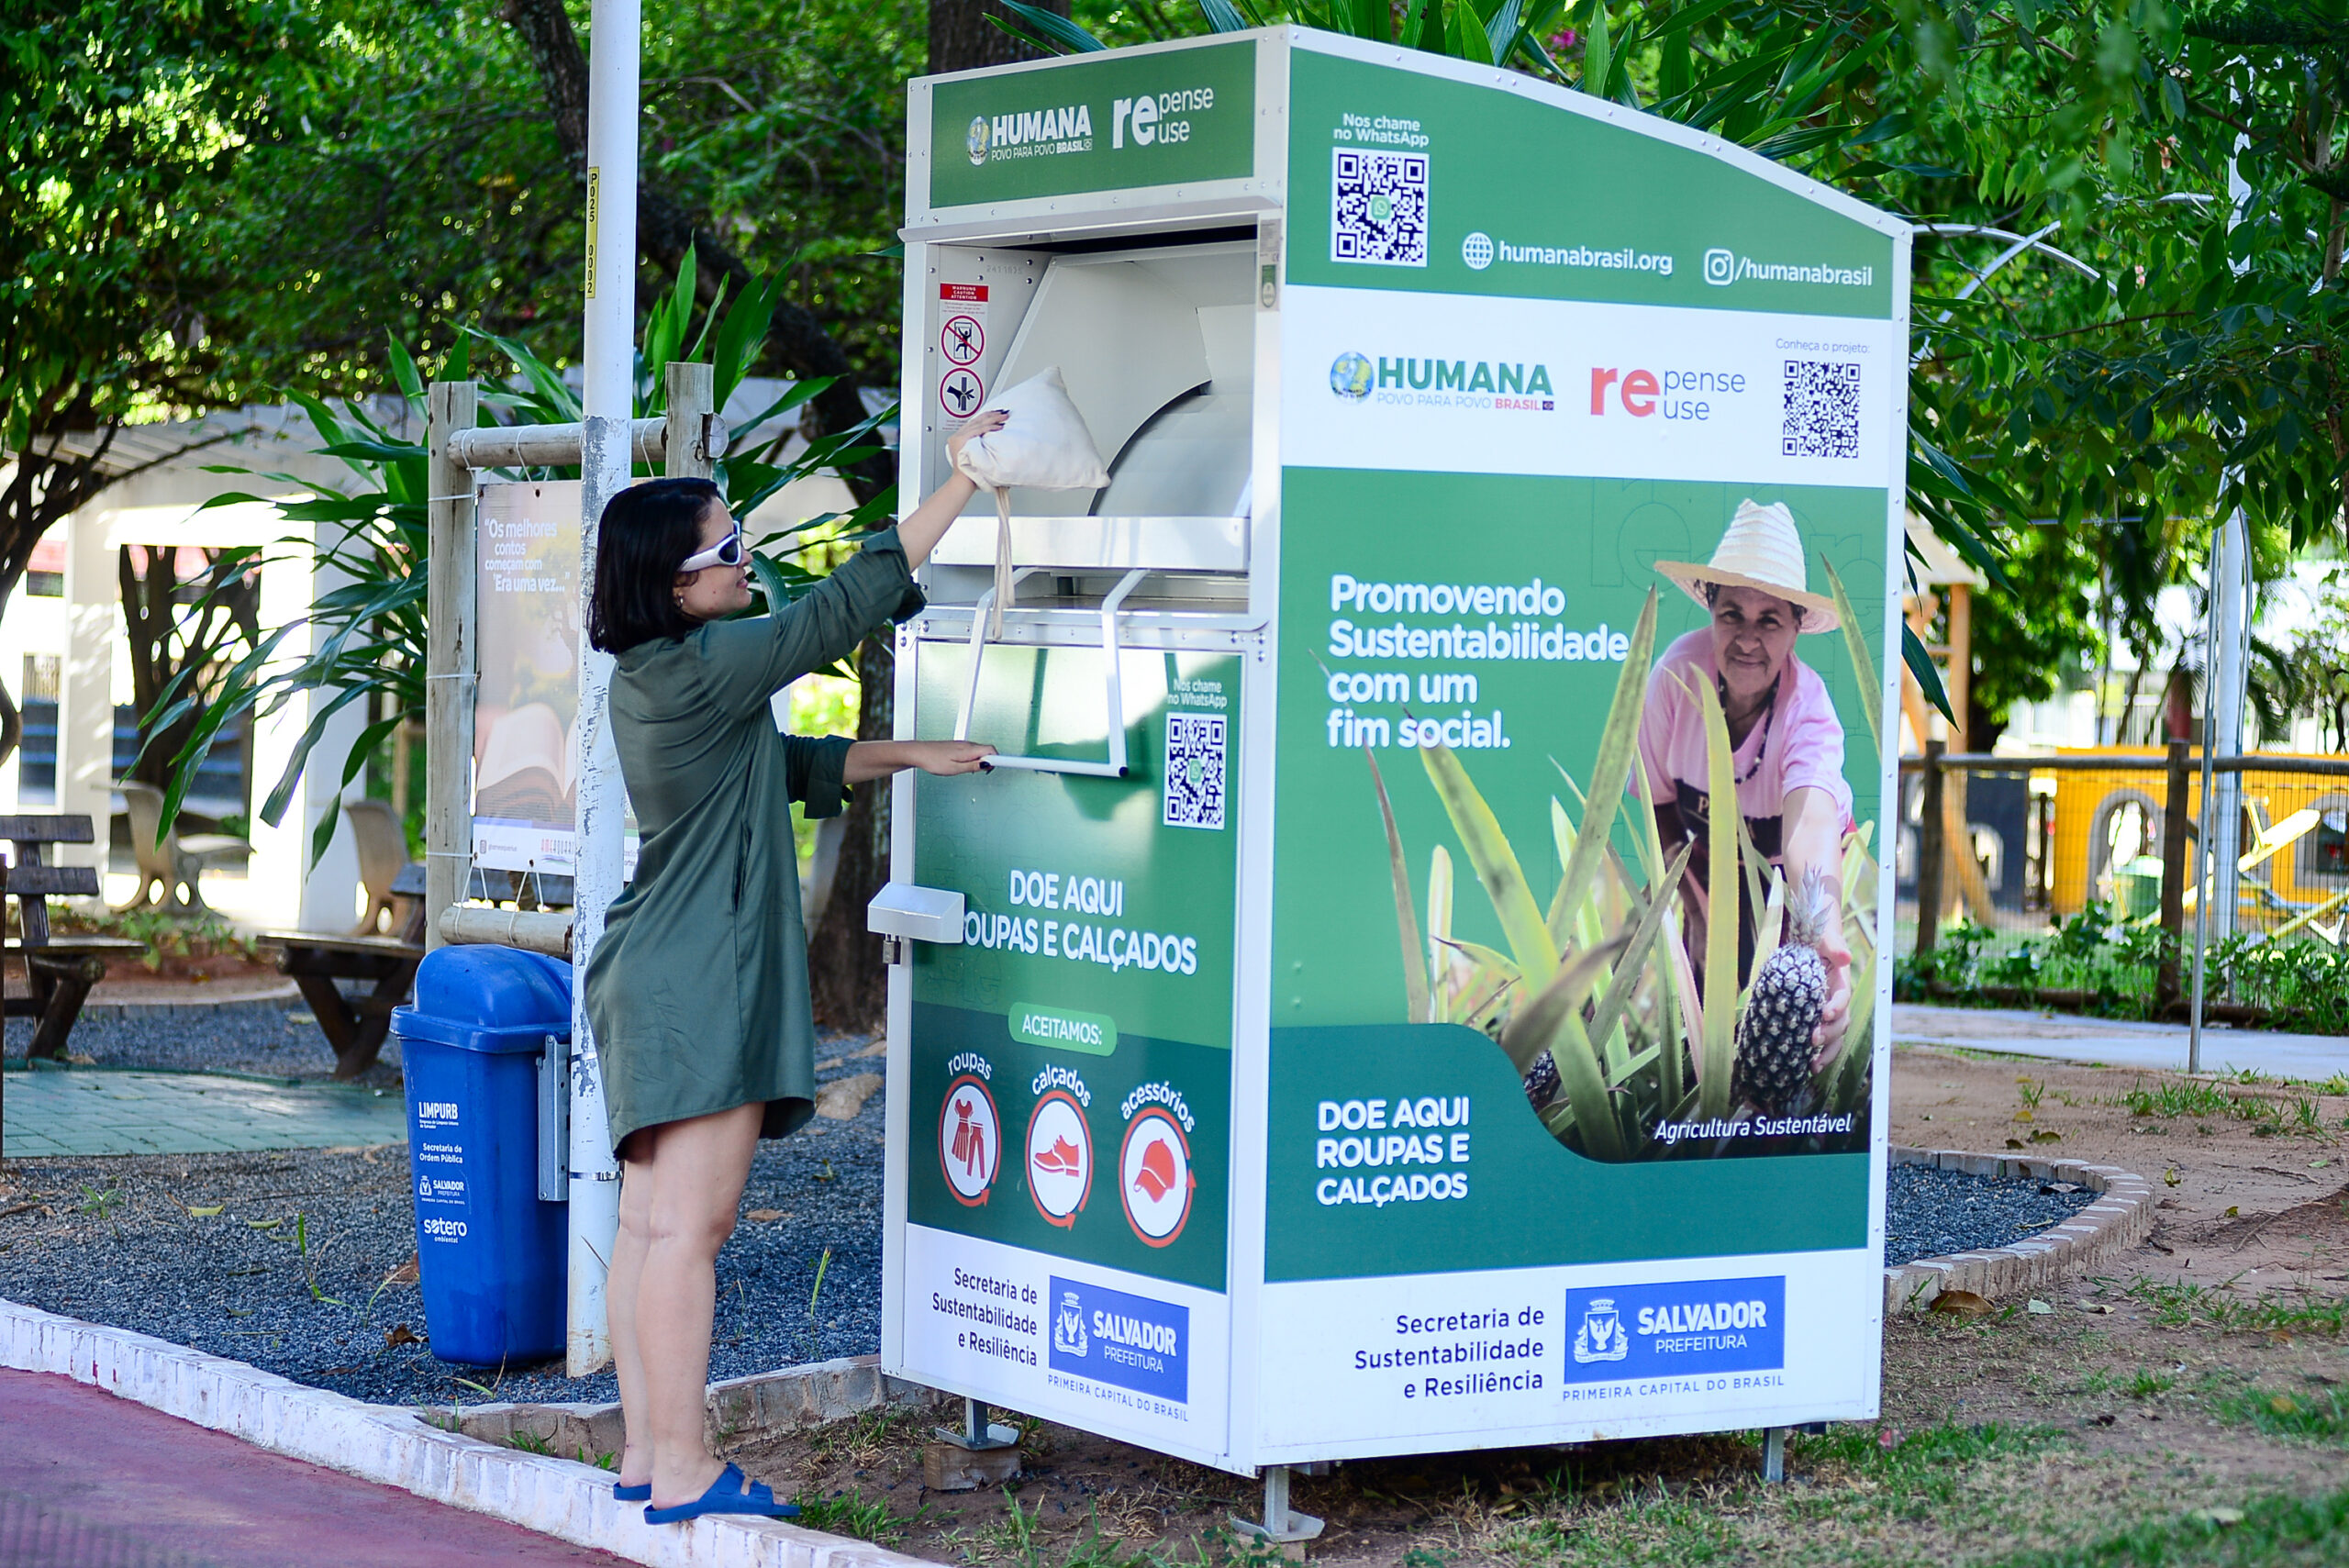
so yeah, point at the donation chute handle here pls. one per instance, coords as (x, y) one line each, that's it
(1044, 445)
(1115, 768)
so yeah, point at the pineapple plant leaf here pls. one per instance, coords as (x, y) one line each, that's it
(1439, 926)
(1638, 948)
(1767, 930)
(1496, 864)
(1552, 1022)
(1855, 643)
(1611, 773)
(1415, 977)
(1718, 1049)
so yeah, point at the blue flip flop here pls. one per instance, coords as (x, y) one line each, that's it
(730, 1494)
(640, 1494)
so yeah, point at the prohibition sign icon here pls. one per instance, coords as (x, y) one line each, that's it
(963, 339)
(960, 392)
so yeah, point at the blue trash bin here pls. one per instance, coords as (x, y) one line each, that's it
(490, 1252)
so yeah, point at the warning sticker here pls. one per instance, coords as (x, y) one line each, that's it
(960, 393)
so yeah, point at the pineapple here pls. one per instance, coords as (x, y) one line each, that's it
(1782, 1008)
(1542, 1081)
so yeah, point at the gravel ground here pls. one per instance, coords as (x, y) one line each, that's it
(305, 1269)
(275, 1039)
(114, 1241)
(1929, 1212)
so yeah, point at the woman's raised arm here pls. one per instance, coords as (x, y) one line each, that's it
(928, 523)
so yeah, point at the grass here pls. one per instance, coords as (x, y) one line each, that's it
(863, 1440)
(2278, 1532)
(2181, 1306)
(1950, 1496)
(1018, 1539)
(844, 1513)
(2307, 1413)
(2171, 1098)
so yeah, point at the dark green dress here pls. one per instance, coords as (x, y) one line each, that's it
(698, 989)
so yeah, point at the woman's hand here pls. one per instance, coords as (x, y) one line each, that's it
(946, 758)
(1836, 1017)
(879, 759)
(984, 423)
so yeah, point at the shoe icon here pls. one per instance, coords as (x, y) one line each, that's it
(1062, 1159)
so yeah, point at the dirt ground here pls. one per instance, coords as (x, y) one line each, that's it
(2186, 1402)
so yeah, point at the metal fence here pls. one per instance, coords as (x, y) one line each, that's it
(2071, 880)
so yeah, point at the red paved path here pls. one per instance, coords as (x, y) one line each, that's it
(91, 1481)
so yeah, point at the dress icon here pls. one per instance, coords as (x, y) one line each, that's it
(970, 1144)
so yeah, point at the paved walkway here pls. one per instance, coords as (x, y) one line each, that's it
(2107, 1042)
(87, 1111)
(97, 1482)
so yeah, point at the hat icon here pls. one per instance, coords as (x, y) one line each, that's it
(1763, 551)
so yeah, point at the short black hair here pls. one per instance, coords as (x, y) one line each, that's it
(646, 533)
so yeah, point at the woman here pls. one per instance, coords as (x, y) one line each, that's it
(698, 989)
(1786, 743)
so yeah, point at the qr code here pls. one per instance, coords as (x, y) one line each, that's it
(1823, 409)
(1194, 770)
(1378, 208)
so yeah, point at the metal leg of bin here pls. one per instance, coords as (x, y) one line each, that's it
(1774, 1454)
(980, 1430)
(1281, 1526)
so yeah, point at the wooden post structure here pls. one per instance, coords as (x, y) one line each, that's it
(687, 455)
(1931, 852)
(450, 654)
(2175, 809)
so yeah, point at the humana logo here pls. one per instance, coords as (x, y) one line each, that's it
(1073, 123)
(1466, 375)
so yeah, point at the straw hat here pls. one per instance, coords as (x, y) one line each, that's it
(1760, 551)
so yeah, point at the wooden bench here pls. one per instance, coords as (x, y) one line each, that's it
(60, 969)
(355, 1026)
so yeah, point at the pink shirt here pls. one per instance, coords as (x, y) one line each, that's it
(1799, 746)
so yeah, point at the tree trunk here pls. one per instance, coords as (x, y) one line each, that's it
(845, 975)
(961, 38)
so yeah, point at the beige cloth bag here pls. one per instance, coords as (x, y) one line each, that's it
(1044, 445)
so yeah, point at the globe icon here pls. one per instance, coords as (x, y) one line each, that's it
(1350, 376)
(1477, 252)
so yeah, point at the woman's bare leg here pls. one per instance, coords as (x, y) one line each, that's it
(620, 1288)
(699, 1167)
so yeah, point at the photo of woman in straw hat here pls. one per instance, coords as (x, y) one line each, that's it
(1787, 742)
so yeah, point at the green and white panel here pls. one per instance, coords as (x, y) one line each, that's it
(1528, 352)
(1068, 1185)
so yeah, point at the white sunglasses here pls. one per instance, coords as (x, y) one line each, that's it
(726, 551)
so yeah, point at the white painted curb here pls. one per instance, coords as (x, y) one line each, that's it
(385, 1443)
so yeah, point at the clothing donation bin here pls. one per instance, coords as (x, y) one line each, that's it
(1307, 1041)
(482, 1049)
